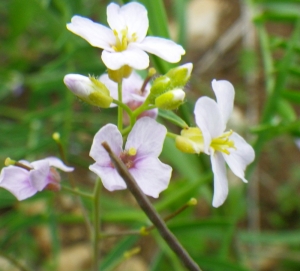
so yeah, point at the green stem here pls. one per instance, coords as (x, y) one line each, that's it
(171, 135)
(76, 191)
(152, 214)
(124, 106)
(120, 109)
(96, 197)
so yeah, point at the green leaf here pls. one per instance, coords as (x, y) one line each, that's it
(173, 118)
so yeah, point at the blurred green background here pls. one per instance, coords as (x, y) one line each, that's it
(254, 44)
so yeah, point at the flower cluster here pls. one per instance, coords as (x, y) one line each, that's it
(124, 47)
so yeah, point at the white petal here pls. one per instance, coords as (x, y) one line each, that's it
(220, 179)
(109, 176)
(39, 175)
(238, 159)
(133, 57)
(163, 48)
(209, 120)
(147, 137)
(224, 92)
(55, 162)
(113, 137)
(132, 16)
(16, 181)
(151, 175)
(96, 34)
(131, 88)
(80, 85)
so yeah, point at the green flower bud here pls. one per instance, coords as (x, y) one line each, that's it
(89, 89)
(179, 76)
(190, 140)
(170, 100)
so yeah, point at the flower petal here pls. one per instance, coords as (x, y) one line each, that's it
(224, 92)
(79, 84)
(163, 48)
(55, 162)
(39, 175)
(132, 16)
(109, 176)
(147, 137)
(113, 137)
(133, 57)
(220, 179)
(95, 34)
(240, 157)
(151, 175)
(16, 181)
(209, 120)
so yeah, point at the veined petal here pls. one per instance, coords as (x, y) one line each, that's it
(55, 162)
(109, 176)
(113, 137)
(16, 181)
(95, 34)
(38, 176)
(220, 179)
(209, 120)
(151, 175)
(240, 157)
(132, 17)
(147, 137)
(163, 48)
(224, 92)
(133, 57)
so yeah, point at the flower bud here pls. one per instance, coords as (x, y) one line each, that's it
(170, 100)
(179, 76)
(190, 140)
(89, 89)
(160, 86)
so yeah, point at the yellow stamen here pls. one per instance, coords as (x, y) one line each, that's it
(132, 151)
(222, 143)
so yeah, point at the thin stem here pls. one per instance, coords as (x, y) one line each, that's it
(149, 210)
(96, 210)
(124, 106)
(171, 135)
(77, 192)
(120, 109)
(14, 262)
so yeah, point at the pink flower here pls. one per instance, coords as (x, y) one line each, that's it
(143, 146)
(23, 183)
(132, 95)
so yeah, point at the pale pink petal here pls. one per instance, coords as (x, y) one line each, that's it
(163, 48)
(147, 137)
(39, 175)
(16, 181)
(55, 162)
(109, 176)
(133, 57)
(224, 92)
(220, 179)
(151, 175)
(96, 34)
(240, 157)
(110, 134)
(208, 118)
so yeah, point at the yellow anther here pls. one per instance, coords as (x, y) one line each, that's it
(222, 143)
(9, 162)
(132, 151)
(192, 202)
(56, 136)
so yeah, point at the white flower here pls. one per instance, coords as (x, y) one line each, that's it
(211, 118)
(125, 42)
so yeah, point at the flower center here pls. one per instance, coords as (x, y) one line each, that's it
(123, 40)
(222, 143)
(128, 157)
